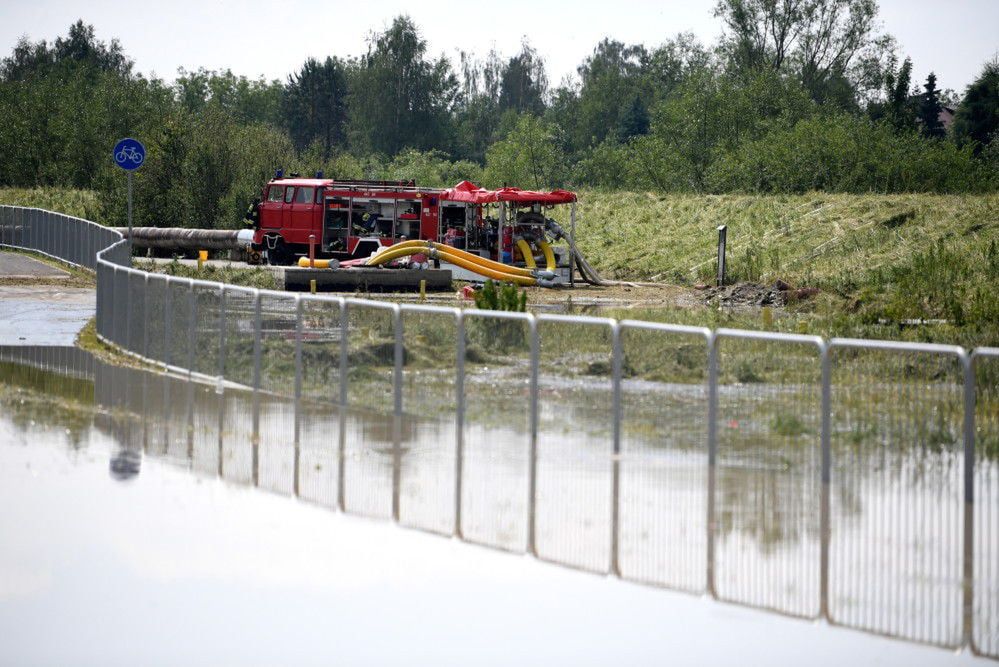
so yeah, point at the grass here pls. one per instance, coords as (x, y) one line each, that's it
(232, 275)
(78, 203)
(886, 264)
(87, 340)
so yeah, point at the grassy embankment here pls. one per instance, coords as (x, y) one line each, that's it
(882, 262)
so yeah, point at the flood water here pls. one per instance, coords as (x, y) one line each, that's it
(149, 519)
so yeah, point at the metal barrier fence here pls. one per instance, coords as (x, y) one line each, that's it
(850, 480)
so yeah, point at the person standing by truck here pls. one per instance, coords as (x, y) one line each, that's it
(252, 218)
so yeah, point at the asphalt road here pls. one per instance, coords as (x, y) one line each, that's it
(17, 266)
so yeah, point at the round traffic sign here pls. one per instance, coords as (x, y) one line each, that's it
(129, 154)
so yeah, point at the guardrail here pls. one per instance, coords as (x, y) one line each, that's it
(835, 479)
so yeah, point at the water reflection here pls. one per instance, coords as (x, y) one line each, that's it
(644, 515)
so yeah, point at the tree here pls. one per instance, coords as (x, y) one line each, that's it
(634, 121)
(611, 80)
(524, 83)
(977, 119)
(398, 98)
(898, 109)
(816, 40)
(314, 105)
(79, 47)
(253, 101)
(476, 112)
(930, 109)
(529, 156)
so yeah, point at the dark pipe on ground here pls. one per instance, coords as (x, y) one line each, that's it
(178, 238)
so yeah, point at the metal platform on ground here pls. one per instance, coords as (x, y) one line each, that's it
(366, 279)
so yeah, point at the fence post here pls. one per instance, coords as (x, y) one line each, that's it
(712, 457)
(398, 360)
(192, 313)
(167, 322)
(298, 368)
(968, 366)
(341, 499)
(115, 298)
(296, 488)
(459, 417)
(722, 237)
(222, 320)
(532, 490)
(100, 298)
(344, 349)
(397, 410)
(616, 362)
(145, 313)
(826, 448)
(257, 347)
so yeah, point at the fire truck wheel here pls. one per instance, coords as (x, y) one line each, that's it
(279, 255)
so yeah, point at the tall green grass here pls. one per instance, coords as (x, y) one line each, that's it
(885, 263)
(78, 203)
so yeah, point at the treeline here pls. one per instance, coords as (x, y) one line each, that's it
(797, 96)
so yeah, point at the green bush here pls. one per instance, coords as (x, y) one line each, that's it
(845, 153)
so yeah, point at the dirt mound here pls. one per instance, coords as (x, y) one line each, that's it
(755, 294)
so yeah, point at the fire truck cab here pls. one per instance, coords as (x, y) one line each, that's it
(348, 218)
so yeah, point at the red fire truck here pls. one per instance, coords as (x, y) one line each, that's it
(348, 218)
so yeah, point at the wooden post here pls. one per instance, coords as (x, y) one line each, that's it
(312, 251)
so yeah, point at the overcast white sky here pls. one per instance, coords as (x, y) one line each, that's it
(952, 37)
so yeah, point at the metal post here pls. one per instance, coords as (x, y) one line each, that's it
(397, 410)
(616, 363)
(722, 235)
(459, 417)
(221, 360)
(968, 366)
(499, 229)
(572, 244)
(145, 312)
(312, 252)
(257, 346)
(298, 369)
(826, 447)
(192, 314)
(397, 368)
(129, 213)
(344, 349)
(341, 500)
(712, 456)
(109, 332)
(167, 323)
(532, 546)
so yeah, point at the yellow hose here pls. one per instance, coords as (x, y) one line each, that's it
(549, 255)
(320, 263)
(388, 255)
(528, 254)
(487, 263)
(445, 253)
(395, 252)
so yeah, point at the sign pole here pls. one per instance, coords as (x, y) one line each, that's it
(129, 154)
(129, 213)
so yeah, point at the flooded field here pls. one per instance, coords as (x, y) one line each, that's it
(895, 557)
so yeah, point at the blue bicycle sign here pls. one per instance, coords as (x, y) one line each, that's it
(129, 154)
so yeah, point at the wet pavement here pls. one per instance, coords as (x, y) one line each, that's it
(18, 266)
(43, 314)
